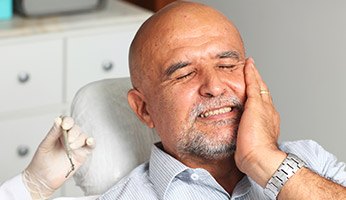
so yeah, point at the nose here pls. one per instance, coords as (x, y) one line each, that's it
(212, 86)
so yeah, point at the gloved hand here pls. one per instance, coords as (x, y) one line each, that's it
(50, 164)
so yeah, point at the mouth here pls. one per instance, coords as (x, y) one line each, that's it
(215, 112)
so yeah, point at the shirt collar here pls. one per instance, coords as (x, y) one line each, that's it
(242, 188)
(162, 169)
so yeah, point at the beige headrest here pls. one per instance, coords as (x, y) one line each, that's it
(122, 141)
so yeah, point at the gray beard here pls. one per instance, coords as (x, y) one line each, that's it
(198, 143)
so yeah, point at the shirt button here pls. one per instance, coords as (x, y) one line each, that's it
(194, 177)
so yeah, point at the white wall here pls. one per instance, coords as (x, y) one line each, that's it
(299, 47)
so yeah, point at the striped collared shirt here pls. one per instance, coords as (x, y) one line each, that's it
(164, 177)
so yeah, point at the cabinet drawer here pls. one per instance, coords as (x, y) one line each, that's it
(30, 74)
(19, 140)
(96, 57)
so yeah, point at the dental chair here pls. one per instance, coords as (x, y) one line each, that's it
(122, 140)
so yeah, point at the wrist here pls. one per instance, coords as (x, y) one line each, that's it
(290, 166)
(261, 168)
(35, 186)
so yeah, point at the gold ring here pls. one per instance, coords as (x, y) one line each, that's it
(264, 91)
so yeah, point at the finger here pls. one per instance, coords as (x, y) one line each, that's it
(53, 135)
(67, 123)
(264, 91)
(81, 154)
(82, 141)
(90, 142)
(258, 77)
(73, 133)
(252, 85)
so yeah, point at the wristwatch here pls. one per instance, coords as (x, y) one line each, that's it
(288, 168)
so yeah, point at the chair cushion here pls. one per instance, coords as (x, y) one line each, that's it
(122, 140)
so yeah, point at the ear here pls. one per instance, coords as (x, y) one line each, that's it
(139, 106)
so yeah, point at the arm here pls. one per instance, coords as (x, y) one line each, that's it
(257, 153)
(309, 185)
(14, 189)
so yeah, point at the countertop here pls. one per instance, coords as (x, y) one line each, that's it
(114, 12)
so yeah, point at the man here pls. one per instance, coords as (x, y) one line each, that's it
(215, 117)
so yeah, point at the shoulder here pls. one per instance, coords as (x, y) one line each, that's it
(135, 185)
(317, 159)
(308, 150)
(314, 155)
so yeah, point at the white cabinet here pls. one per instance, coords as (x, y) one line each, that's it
(31, 74)
(44, 61)
(19, 140)
(97, 56)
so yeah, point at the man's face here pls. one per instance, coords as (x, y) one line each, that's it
(197, 91)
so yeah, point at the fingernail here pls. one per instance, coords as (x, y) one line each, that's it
(251, 64)
(67, 123)
(90, 142)
(251, 60)
(58, 121)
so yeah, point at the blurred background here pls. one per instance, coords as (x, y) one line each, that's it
(47, 52)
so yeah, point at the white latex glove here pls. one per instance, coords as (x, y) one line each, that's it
(50, 164)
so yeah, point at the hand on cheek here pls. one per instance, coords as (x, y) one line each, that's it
(257, 153)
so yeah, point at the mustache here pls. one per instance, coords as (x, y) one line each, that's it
(216, 102)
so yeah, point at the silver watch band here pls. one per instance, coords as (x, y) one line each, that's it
(287, 169)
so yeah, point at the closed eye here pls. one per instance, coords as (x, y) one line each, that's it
(185, 76)
(227, 66)
(230, 67)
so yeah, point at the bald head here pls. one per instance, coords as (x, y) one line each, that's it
(167, 29)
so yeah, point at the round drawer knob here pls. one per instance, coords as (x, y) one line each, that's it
(22, 150)
(23, 77)
(107, 66)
